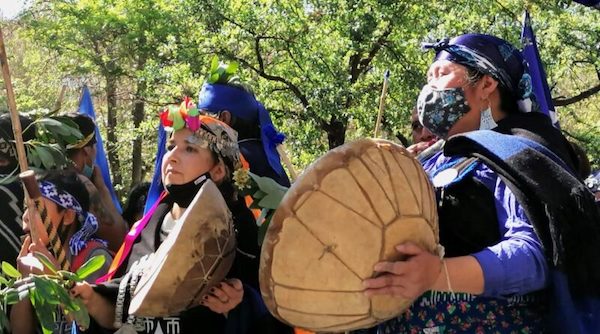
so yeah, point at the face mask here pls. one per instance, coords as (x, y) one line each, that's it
(88, 170)
(183, 194)
(486, 121)
(440, 109)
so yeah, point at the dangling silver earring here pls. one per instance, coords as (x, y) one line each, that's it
(486, 120)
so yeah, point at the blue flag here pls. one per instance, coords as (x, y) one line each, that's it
(86, 107)
(156, 187)
(590, 3)
(536, 70)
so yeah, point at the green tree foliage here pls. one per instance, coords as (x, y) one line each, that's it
(316, 65)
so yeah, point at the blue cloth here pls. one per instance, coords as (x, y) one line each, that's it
(253, 152)
(493, 56)
(589, 3)
(156, 186)
(563, 214)
(215, 98)
(86, 107)
(536, 70)
(516, 265)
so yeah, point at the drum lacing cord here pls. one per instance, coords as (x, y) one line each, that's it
(441, 252)
(130, 280)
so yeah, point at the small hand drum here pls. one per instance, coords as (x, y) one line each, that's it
(196, 256)
(347, 212)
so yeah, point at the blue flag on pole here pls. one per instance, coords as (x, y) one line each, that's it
(156, 187)
(536, 70)
(86, 107)
(590, 3)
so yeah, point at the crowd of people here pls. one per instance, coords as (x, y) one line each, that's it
(518, 224)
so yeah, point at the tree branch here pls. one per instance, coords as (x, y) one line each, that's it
(558, 102)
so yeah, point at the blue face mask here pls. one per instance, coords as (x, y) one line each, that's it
(88, 170)
(440, 109)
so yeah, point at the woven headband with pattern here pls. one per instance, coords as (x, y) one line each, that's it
(67, 201)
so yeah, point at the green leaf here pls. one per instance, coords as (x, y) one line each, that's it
(262, 216)
(4, 323)
(69, 276)
(46, 313)
(3, 281)
(45, 156)
(33, 156)
(44, 290)
(232, 68)
(63, 296)
(90, 266)
(214, 64)
(10, 271)
(11, 296)
(46, 261)
(214, 78)
(81, 315)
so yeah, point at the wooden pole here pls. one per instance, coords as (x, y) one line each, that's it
(59, 101)
(16, 125)
(286, 160)
(386, 81)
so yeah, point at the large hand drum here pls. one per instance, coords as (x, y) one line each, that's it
(196, 256)
(344, 214)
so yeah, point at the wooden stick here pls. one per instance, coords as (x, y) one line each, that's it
(386, 80)
(286, 160)
(59, 101)
(16, 125)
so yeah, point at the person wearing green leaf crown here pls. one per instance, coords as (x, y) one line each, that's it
(224, 96)
(82, 154)
(199, 148)
(66, 202)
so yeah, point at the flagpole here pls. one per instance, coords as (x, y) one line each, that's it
(16, 125)
(386, 80)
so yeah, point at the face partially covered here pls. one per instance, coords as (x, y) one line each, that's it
(187, 159)
(450, 103)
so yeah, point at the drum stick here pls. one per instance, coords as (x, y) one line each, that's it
(386, 80)
(16, 123)
(286, 160)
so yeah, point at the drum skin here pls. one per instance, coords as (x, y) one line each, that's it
(195, 256)
(344, 214)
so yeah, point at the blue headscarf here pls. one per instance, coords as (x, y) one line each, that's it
(217, 97)
(493, 56)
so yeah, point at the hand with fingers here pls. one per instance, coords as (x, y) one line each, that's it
(225, 296)
(100, 308)
(26, 261)
(408, 278)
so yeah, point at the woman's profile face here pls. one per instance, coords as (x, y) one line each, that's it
(185, 160)
(446, 74)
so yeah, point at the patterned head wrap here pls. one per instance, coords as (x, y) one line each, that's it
(493, 56)
(89, 223)
(209, 132)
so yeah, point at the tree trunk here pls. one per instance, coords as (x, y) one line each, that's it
(138, 117)
(111, 124)
(336, 132)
